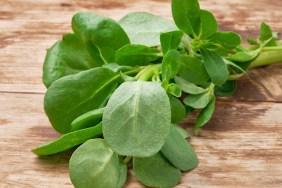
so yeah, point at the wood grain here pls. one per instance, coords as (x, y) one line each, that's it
(240, 147)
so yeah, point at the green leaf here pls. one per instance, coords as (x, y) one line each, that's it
(170, 64)
(234, 65)
(188, 87)
(73, 95)
(67, 56)
(137, 118)
(266, 34)
(228, 40)
(88, 119)
(68, 141)
(178, 111)
(245, 56)
(170, 40)
(215, 66)
(197, 101)
(205, 115)
(208, 24)
(174, 90)
(189, 109)
(227, 89)
(122, 173)
(192, 70)
(94, 163)
(252, 41)
(126, 78)
(145, 28)
(133, 55)
(104, 33)
(156, 171)
(85, 23)
(117, 68)
(183, 132)
(186, 15)
(179, 152)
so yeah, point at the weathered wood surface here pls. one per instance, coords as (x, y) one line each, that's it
(240, 147)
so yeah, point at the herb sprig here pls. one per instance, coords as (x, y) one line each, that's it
(120, 88)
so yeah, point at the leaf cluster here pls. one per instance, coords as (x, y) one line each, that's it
(121, 88)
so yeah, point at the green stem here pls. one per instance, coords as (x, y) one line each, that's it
(148, 72)
(235, 76)
(133, 71)
(221, 47)
(127, 159)
(211, 88)
(272, 48)
(269, 55)
(186, 41)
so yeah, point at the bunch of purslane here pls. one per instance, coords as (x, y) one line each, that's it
(120, 88)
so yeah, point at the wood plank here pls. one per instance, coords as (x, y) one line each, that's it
(25, 35)
(240, 147)
(261, 84)
(21, 114)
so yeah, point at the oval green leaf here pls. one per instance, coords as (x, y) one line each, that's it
(205, 115)
(245, 56)
(104, 33)
(179, 152)
(170, 40)
(73, 95)
(228, 40)
(145, 28)
(197, 101)
(88, 119)
(68, 141)
(156, 171)
(133, 55)
(208, 24)
(188, 87)
(178, 110)
(94, 164)
(186, 15)
(192, 70)
(183, 132)
(170, 64)
(266, 35)
(215, 66)
(67, 56)
(122, 173)
(136, 120)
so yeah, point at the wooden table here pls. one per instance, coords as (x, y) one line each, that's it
(240, 147)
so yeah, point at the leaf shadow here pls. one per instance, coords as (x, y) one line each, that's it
(61, 159)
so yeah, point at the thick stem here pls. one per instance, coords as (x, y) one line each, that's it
(235, 76)
(269, 55)
(133, 71)
(272, 48)
(148, 72)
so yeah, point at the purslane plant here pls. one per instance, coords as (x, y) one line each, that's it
(121, 88)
